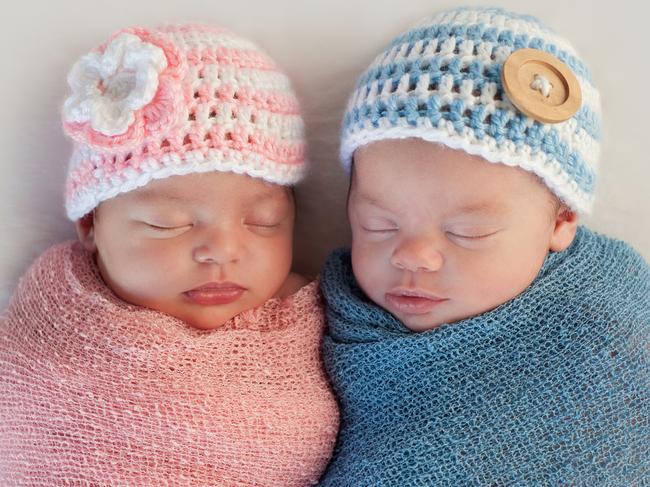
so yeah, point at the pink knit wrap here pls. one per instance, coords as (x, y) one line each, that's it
(98, 392)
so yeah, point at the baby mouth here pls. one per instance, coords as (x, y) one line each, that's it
(410, 301)
(215, 293)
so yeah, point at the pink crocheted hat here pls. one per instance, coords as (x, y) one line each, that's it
(152, 103)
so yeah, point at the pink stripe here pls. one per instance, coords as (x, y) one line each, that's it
(251, 141)
(240, 140)
(241, 58)
(82, 177)
(192, 28)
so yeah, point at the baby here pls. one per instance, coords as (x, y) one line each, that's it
(171, 345)
(478, 335)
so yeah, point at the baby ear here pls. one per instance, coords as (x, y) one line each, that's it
(86, 231)
(566, 225)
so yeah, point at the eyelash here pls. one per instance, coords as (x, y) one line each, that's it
(263, 225)
(388, 230)
(169, 229)
(456, 235)
(471, 237)
(162, 229)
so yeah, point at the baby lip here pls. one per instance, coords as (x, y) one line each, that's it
(215, 293)
(415, 293)
(216, 287)
(412, 301)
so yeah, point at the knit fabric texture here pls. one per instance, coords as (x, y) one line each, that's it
(550, 388)
(152, 103)
(98, 392)
(441, 81)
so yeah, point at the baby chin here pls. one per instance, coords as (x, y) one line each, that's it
(418, 313)
(209, 311)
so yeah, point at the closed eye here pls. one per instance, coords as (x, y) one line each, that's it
(263, 225)
(264, 229)
(472, 236)
(380, 230)
(163, 229)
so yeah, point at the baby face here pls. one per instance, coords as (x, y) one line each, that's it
(200, 247)
(440, 235)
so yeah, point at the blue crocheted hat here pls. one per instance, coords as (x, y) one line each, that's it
(441, 81)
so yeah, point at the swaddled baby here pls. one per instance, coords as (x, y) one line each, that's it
(171, 345)
(477, 335)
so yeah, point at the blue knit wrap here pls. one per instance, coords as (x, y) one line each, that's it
(550, 388)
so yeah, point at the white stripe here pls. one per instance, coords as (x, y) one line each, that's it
(214, 75)
(500, 22)
(207, 39)
(286, 128)
(590, 96)
(549, 170)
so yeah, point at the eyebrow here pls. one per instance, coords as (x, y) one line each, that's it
(373, 201)
(483, 207)
(149, 196)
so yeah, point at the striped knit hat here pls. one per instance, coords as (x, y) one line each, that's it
(442, 82)
(149, 104)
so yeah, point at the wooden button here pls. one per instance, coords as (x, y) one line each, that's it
(526, 76)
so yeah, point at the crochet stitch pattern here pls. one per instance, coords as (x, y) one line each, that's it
(152, 103)
(550, 388)
(441, 81)
(96, 391)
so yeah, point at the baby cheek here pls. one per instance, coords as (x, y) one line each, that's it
(269, 259)
(501, 278)
(149, 272)
(279, 256)
(372, 268)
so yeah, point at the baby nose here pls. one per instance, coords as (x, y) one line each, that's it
(220, 248)
(417, 254)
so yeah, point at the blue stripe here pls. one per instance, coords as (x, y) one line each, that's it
(483, 32)
(586, 118)
(589, 121)
(501, 126)
(476, 33)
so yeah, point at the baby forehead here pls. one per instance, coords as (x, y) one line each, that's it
(399, 163)
(420, 175)
(209, 188)
(418, 154)
(479, 207)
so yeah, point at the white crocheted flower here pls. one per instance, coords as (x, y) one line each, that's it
(109, 88)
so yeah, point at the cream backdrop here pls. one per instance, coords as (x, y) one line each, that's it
(324, 46)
